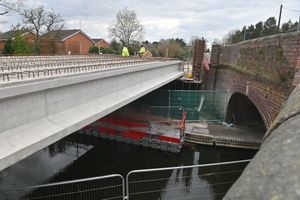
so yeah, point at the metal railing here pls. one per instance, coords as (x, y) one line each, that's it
(103, 187)
(205, 181)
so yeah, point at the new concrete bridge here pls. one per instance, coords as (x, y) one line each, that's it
(43, 99)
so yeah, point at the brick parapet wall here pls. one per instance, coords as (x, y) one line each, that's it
(267, 98)
(296, 80)
(270, 59)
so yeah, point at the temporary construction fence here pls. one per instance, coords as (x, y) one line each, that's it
(150, 113)
(206, 181)
(199, 105)
(161, 126)
(102, 187)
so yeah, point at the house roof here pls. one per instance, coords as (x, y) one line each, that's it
(97, 40)
(13, 33)
(64, 34)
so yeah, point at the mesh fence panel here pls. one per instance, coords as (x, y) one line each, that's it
(193, 182)
(199, 105)
(207, 181)
(106, 187)
(165, 113)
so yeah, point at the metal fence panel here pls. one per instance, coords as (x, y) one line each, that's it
(103, 187)
(199, 104)
(208, 181)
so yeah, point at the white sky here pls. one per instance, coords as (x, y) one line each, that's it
(210, 19)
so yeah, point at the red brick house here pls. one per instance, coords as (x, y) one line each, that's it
(28, 35)
(66, 41)
(100, 43)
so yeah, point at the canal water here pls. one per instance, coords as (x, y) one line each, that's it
(77, 156)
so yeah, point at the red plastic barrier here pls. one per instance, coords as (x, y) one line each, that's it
(135, 135)
(169, 139)
(111, 131)
(102, 130)
(120, 122)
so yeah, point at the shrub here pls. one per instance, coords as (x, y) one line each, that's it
(8, 48)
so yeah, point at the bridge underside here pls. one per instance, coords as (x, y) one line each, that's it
(40, 113)
(242, 111)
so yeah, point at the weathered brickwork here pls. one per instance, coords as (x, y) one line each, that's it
(198, 59)
(266, 70)
(214, 58)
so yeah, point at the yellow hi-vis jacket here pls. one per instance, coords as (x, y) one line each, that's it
(142, 51)
(125, 51)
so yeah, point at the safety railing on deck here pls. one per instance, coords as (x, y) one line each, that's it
(205, 181)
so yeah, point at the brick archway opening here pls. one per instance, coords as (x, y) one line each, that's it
(241, 111)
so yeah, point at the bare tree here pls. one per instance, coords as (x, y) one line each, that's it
(126, 28)
(12, 5)
(193, 40)
(54, 21)
(34, 19)
(39, 20)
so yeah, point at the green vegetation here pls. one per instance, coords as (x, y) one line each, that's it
(8, 48)
(261, 29)
(171, 48)
(20, 47)
(95, 50)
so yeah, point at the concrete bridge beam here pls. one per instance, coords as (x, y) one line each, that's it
(39, 113)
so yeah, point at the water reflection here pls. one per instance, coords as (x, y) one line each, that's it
(185, 184)
(40, 167)
(78, 157)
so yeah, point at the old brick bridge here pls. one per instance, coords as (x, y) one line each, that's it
(258, 74)
(262, 78)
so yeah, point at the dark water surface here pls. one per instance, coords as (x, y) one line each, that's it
(78, 157)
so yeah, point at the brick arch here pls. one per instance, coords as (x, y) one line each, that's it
(267, 97)
(255, 98)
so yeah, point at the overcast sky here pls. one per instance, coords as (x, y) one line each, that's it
(210, 19)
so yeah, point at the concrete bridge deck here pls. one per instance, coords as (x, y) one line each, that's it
(39, 111)
(24, 68)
